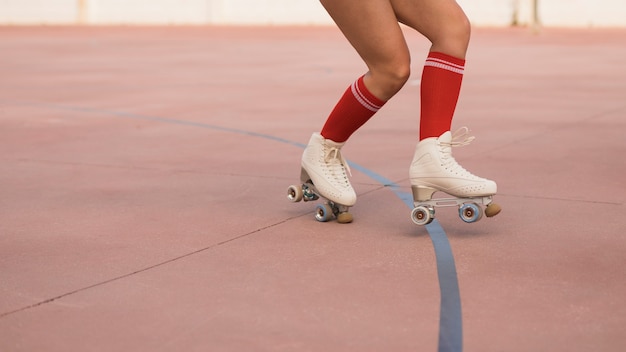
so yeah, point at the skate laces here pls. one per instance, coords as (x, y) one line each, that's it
(459, 138)
(336, 163)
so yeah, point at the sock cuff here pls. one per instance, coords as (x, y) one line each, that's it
(365, 97)
(445, 62)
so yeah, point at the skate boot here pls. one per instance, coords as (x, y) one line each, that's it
(324, 174)
(434, 169)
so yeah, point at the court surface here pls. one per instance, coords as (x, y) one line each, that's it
(143, 178)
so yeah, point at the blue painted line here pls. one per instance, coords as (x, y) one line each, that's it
(450, 317)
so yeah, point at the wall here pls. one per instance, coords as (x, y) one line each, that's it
(575, 13)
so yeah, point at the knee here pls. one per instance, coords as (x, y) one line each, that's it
(462, 31)
(454, 36)
(391, 78)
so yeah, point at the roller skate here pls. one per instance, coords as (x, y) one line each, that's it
(324, 174)
(433, 169)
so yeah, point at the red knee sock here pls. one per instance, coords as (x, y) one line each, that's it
(355, 107)
(441, 84)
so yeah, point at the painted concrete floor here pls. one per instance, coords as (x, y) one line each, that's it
(143, 203)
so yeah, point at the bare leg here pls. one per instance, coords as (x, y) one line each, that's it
(443, 22)
(446, 26)
(372, 28)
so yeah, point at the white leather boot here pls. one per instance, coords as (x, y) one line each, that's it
(323, 164)
(434, 169)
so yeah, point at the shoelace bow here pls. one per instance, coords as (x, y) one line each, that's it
(460, 138)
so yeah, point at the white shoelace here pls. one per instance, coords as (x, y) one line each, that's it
(461, 133)
(336, 163)
(459, 138)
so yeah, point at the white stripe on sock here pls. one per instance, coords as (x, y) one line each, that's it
(361, 98)
(445, 65)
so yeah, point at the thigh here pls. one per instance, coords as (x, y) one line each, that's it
(443, 22)
(371, 26)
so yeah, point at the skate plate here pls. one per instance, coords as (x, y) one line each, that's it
(323, 212)
(470, 209)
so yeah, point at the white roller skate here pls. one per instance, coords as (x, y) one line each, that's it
(434, 169)
(324, 174)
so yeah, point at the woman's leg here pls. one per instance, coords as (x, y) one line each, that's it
(443, 22)
(373, 30)
(446, 26)
(433, 168)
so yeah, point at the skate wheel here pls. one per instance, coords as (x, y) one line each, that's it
(344, 218)
(493, 209)
(294, 193)
(323, 212)
(470, 212)
(422, 215)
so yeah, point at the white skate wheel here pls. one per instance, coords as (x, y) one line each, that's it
(422, 215)
(294, 193)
